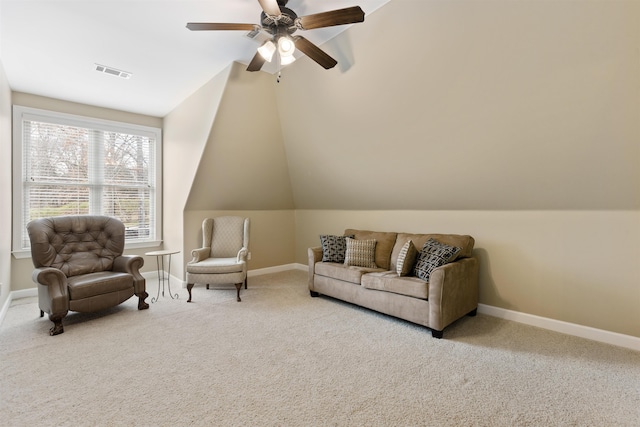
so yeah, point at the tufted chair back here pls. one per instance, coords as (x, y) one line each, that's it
(77, 244)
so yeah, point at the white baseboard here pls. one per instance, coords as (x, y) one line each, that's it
(613, 338)
(581, 331)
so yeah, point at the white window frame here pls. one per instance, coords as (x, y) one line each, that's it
(20, 114)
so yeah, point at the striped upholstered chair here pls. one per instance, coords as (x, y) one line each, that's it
(222, 259)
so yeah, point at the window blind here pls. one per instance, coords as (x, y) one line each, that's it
(70, 168)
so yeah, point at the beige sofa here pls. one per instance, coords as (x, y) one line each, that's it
(450, 293)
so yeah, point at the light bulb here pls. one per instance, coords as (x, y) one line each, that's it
(286, 47)
(267, 50)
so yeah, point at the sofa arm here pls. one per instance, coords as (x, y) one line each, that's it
(315, 255)
(131, 264)
(453, 292)
(53, 294)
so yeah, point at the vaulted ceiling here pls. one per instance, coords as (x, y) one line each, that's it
(51, 47)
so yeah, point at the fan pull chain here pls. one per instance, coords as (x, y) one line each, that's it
(279, 77)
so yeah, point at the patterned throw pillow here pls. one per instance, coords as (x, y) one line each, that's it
(360, 253)
(406, 259)
(433, 255)
(333, 248)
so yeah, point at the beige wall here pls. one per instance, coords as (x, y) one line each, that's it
(515, 122)
(21, 269)
(573, 266)
(224, 151)
(5, 187)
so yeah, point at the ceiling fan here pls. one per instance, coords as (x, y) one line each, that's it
(280, 23)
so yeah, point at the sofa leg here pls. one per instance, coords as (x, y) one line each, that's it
(238, 287)
(189, 287)
(57, 328)
(207, 286)
(245, 283)
(141, 304)
(41, 313)
(473, 312)
(314, 294)
(436, 334)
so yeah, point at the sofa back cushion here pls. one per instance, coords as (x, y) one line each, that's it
(464, 242)
(76, 244)
(384, 244)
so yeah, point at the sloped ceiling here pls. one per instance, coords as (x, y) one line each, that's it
(244, 164)
(471, 105)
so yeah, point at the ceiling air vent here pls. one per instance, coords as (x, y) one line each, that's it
(113, 71)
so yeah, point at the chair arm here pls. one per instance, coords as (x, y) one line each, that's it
(315, 255)
(453, 292)
(242, 254)
(57, 299)
(200, 254)
(131, 264)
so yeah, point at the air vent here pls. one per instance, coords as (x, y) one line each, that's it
(113, 71)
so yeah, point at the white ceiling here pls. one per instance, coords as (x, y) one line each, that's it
(50, 47)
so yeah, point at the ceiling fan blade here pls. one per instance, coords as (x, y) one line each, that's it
(349, 15)
(256, 63)
(270, 7)
(314, 52)
(205, 26)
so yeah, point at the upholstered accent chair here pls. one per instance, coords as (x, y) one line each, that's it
(79, 266)
(222, 259)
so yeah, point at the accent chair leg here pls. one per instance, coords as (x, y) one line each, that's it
(189, 287)
(436, 334)
(57, 328)
(238, 287)
(142, 305)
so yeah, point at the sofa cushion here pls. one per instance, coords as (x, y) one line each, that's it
(333, 248)
(360, 253)
(384, 244)
(432, 255)
(406, 259)
(342, 272)
(464, 242)
(389, 281)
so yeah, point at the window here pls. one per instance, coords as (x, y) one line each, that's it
(69, 165)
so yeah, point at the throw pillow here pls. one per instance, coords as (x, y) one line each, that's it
(406, 259)
(360, 253)
(333, 248)
(433, 255)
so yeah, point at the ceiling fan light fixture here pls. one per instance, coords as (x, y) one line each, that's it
(286, 60)
(267, 50)
(286, 47)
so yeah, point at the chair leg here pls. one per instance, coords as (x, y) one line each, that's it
(238, 287)
(207, 286)
(245, 283)
(41, 313)
(57, 328)
(142, 305)
(189, 287)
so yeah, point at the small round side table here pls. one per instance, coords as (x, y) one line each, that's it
(162, 278)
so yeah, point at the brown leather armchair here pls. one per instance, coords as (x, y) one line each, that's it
(79, 266)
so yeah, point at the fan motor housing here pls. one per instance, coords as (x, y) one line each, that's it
(285, 22)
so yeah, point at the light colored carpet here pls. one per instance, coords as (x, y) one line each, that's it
(282, 358)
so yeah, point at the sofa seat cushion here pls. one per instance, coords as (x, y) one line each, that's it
(216, 266)
(94, 284)
(343, 272)
(389, 281)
